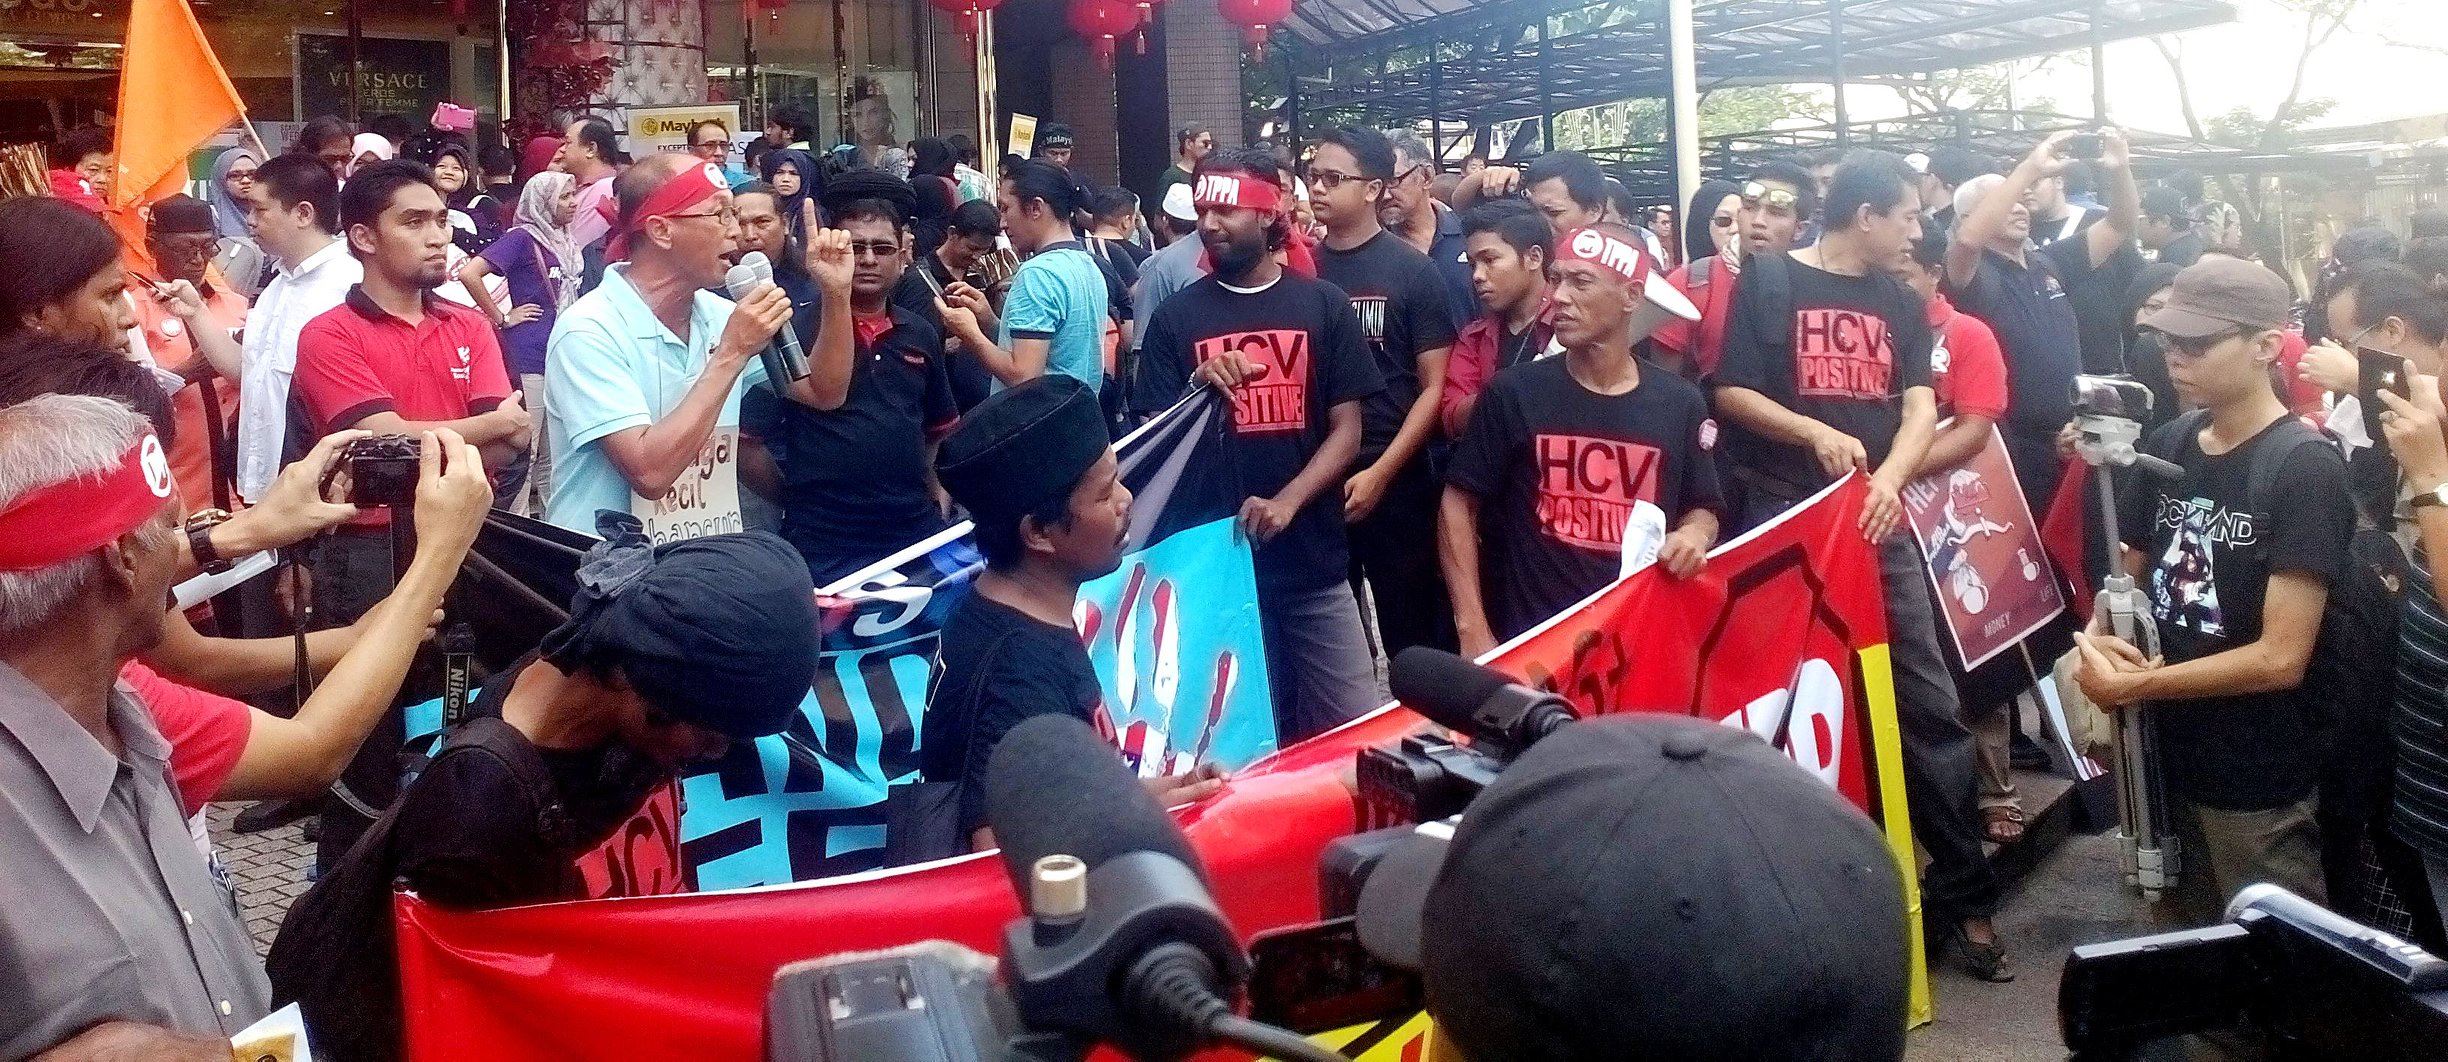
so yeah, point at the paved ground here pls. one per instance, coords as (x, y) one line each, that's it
(2073, 898)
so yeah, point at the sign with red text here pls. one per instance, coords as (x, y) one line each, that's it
(1984, 554)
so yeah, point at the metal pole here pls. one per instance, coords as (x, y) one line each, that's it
(1436, 108)
(356, 54)
(922, 62)
(990, 146)
(1292, 108)
(501, 55)
(752, 95)
(841, 73)
(1682, 62)
(1836, 45)
(1546, 103)
(2099, 67)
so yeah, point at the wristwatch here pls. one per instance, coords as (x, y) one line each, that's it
(200, 525)
(2435, 496)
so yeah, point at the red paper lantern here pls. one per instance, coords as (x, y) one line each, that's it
(1255, 17)
(1101, 21)
(966, 13)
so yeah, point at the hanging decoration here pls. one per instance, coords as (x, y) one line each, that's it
(965, 12)
(1101, 21)
(556, 72)
(1256, 18)
(1147, 17)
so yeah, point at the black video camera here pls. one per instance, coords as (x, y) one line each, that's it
(2303, 981)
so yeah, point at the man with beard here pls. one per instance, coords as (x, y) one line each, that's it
(1571, 457)
(1289, 352)
(395, 359)
(855, 477)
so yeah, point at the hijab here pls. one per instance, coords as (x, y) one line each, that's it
(810, 184)
(931, 156)
(535, 214)
(365, 142)
(229, 215)
(475, 216)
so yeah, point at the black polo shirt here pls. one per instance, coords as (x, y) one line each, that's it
(2031, 308)
(854, 479)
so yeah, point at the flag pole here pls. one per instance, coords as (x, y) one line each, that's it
(262, 153)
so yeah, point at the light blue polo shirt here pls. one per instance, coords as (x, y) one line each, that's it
(1060, 296)
(610, 366)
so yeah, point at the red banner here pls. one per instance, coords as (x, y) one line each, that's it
(1783, 634)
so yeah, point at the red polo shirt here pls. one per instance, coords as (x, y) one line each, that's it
(357, 360)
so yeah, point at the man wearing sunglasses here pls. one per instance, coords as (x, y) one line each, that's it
(1391, 500)
(856, 480)
(1777, 198)
(2238, 574)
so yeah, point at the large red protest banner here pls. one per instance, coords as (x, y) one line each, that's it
(1784, 634)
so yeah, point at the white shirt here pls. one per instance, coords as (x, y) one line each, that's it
(294, 297)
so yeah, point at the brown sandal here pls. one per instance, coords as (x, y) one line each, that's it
(2003, 823)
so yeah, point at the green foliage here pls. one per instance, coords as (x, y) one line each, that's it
(1724, 112)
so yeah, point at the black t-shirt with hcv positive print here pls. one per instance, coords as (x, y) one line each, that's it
(1305, 337)
(1856, 345)
(2208, 551)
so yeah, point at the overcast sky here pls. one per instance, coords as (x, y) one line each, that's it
(2250, 60)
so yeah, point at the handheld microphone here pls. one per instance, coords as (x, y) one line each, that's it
(1123, 943)
(783, 360)
(1481, 702)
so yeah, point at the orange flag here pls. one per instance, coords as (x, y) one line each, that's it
(173, 96)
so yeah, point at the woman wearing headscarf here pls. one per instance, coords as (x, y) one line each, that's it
(540, 264)
(534, 157)
(796, 179)
(367, 148)
(474, 216)
(1703, 235)
(233, 185)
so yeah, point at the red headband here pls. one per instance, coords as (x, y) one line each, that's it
(69, 519)
(1227, 190)
(686, 189)
(1616, 256)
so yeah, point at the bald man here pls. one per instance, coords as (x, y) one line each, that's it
(644, 374)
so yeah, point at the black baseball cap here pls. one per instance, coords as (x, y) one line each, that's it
(1651, 887)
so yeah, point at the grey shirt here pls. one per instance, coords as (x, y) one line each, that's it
(107, 910)
(1179, 265)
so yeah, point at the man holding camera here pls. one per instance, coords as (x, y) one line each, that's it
(396, 359)
(121, 940)
(2237, 557)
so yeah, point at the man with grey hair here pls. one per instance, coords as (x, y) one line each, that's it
(132, 949)
(1410, 211)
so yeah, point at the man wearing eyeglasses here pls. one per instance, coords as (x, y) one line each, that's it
(1412, 212)
(1190, 143)
(856, 479)
(1776, 200)
(190, 325)
(710, 140)
(1391, 500)
(2238, 573)
(651, 365)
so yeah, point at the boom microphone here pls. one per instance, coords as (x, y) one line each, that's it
(1481, 702)
(784, 361)
(1123, 943)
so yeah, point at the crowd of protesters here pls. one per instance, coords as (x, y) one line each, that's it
(1456, 402)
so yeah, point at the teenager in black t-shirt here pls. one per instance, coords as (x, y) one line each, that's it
(1391, 500)
(1837, 383)
(1562, 454)
(1287, 350)
(2238, 578)
(1032, 466)
(856, 481)
(2027, 294)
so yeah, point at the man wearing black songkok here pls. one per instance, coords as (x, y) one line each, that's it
(1046, 498)
(670, 654)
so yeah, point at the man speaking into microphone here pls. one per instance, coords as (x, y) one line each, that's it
(644, 374)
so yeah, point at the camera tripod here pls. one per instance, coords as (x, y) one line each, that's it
(2144, 832)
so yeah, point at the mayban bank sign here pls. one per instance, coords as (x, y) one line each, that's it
(667, 128)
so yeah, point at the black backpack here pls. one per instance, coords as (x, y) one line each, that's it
(2352, 678)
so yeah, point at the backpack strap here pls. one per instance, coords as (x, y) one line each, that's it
(1698, 276)
(494, 737)
(2269, 459)
(1768, 283)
